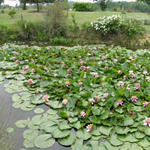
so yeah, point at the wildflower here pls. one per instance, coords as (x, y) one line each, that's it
(119, 101)
(134, 98)
(145, 103)
(30, 81)
(65, 101)
(124, 76)
(67, 83)
(82, 114)
(137, 85)
(105, 95)
(147, 121)
(92, 101)
(120, 83)
(45, 98)
(89, 127)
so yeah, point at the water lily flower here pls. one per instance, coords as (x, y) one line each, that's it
(65, 101)
(147, 121)
(148, 78)
(25, 68)
(17, 61)
(68, 70)
(119, 101)
(55, 75)
(131, 112)
(96, 97)
(38, 76)
(33, 70)
(67, 83)
(45, 98)
(105, 95)
(119, 71)
(82, 114)
(134, 98)
(89, 127)
(120, 83)
(30, 81)
(137, 85)
(145, 72)
(131, 74)
(80, 83)
(115, 60)
(124, 76)
(92, 101)
(145, 103)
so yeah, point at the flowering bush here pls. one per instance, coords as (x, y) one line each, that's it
(117, 24)
(101, 92)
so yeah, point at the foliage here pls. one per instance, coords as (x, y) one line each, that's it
(103, 5)
(82, 6)
(117, 24)
(12, 13)
(55, 19)
(101, 92)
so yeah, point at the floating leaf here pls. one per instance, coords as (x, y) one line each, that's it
(21, 123)
(83, 134)
(105, 130)
(10, 130)
(39, 110)
(57, 133)
(44, 141)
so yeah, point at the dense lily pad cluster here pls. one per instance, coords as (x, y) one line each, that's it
(98, 97)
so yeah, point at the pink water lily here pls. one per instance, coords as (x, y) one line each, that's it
(119, 71)
(115, 60)
(120, 83)
(119, 101)
(38, 76)
(82, 114)
(145, 103)
(105, 95)
(96, 97)
(45, 98)
(25, 68)
(131, 74)
(147, 121)
(65, 101)
(68, 70)
(67, 83)
(89, 127)
(17, 61)
(148, 78)
(30, 81)
(92, 101)
(134, 98)
(137, 85)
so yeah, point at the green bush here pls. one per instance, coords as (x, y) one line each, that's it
(55, 19)
(81, 6)
(103, 5)
(12, 13)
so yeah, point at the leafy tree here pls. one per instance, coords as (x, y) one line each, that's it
(103, 5)
(1, 1)
(146, 1)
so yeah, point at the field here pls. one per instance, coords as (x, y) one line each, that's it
(81, 17)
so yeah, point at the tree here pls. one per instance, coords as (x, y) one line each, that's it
(103, 5)
(146, 1)
(23, 2)
(1, 1)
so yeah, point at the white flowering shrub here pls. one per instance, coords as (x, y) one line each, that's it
(117, 24)
(110, 24)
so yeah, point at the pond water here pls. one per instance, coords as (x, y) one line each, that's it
(8, 117)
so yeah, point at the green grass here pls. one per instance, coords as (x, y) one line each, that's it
(81, 17)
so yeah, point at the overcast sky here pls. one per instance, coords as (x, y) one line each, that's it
(14, 2)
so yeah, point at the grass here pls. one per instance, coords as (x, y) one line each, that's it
(81, 17)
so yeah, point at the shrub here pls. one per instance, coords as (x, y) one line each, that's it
(12, 13)
(81, 6)
(2, 11)
(56, 19)
(116, 24)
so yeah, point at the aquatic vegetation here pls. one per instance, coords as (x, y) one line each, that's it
(98, 97)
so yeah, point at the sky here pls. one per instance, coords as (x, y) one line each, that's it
(14, 2)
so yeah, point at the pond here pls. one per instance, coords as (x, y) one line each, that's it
(8, 117)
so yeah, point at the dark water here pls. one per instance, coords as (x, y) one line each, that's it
(9, 115)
